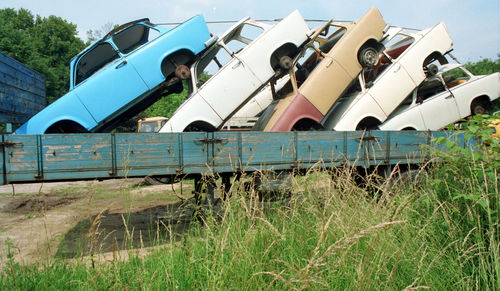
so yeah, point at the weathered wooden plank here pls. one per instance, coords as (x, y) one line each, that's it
(226, 151)
(72, 153)
(268, 151)
(194, 152)
(321, 147)
(21, 159)
(147, 154)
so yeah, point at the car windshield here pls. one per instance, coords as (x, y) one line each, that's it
(149, 127)
(95, 59)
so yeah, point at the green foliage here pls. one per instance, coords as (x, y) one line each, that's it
(43, 44)
(466, 184)
(167, 105)
(481, 163)
(484, 67)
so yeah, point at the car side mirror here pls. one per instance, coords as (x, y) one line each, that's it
(369, 84)
(420, 100)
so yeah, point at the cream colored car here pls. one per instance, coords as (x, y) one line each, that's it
(405, 63)
(338, 58)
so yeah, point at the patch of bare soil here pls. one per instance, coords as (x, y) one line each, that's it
(30, 204)
(111, 232)
(89, 218)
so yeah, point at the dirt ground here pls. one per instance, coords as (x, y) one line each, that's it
(74, 219)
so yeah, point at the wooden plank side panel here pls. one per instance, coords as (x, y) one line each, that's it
(21, 159)
(147, 154)
(320, 148)
(74, 156)
(376, 144)
(354, 150)
(408, 147)
(268, 150)
(226, 151)
(194, 154)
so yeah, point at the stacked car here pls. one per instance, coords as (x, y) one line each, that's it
(339, 76)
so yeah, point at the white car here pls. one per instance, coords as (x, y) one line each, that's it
(402, 66)
(246, 117)
(246, 57)
(444, 99)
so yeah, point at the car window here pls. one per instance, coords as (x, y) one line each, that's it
(149, 127)
(394, 49)
(134, 37)
(210, 64)
(430, 88)
(94, 60)
(397, 45)
(455, 77)
(242, 37)
(334, 35)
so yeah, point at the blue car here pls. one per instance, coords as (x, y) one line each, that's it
(121, 74)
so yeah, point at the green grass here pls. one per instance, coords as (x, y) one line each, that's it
(439, 232)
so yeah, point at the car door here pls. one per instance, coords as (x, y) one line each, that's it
(230, 86)
(440, 109)
(113, 85)
(391, 87)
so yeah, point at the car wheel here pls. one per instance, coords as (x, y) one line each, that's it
(286, 62)
(368, 57)
(182, 72)
(478, 108)
(159, 180)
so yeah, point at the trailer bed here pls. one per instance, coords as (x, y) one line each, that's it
(55, 157)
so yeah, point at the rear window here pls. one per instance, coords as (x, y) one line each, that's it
(134, 37)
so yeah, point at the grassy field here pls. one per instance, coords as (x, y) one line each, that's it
(437, 228)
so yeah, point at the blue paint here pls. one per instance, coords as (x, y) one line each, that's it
(112, 75)
(30, 158)
(22, 91)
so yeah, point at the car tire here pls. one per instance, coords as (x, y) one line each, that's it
(368, 57)
(182, 72)
(286, 62)
(478, 108)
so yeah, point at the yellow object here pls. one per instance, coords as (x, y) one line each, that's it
(495, 125)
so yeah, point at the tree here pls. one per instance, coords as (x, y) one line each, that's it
(95, 34)
(44, 44)
(484, 67)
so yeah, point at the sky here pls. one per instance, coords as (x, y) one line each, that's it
(474, 25)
